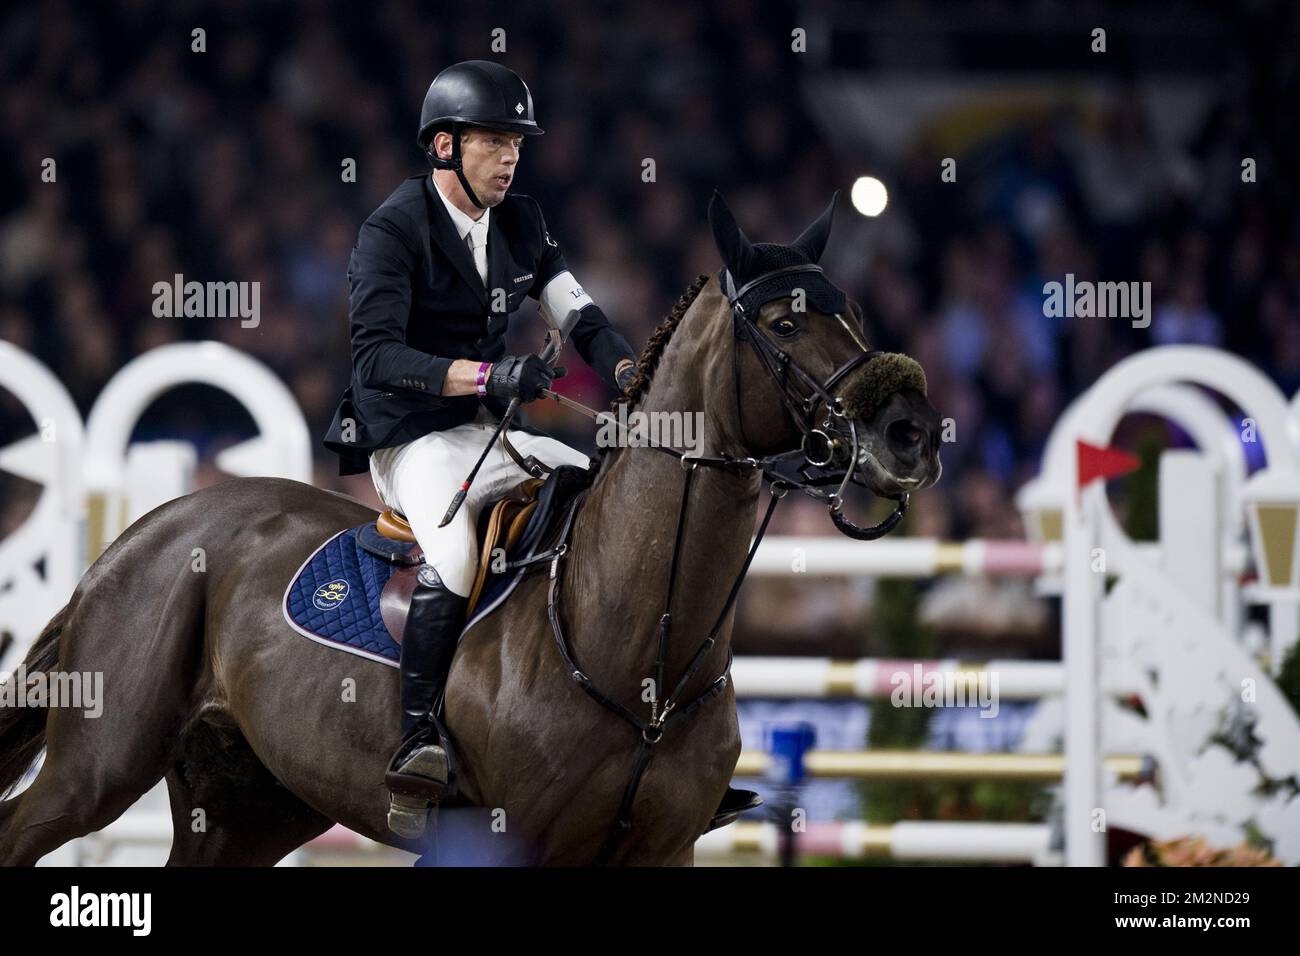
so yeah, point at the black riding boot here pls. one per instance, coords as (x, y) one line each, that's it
(418, 774)
(433, 623)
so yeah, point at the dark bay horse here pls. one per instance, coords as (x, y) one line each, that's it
(266, 739)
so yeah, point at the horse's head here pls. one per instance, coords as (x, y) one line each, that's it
(808, 380)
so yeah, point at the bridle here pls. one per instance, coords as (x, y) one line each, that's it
(812, 466)
(820, 446)
(809, 476)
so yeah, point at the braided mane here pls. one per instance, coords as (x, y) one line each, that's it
(654, 347)
(654, 350)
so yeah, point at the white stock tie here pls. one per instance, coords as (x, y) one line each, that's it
(477, 239)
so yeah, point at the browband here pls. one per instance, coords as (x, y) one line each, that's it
(734, 295)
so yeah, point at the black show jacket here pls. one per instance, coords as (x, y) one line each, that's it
(416, 303)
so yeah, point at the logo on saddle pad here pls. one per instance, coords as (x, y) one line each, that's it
(331, 595)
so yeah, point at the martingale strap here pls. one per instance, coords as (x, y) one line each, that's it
(532, 465)
(779, 366)
(661, 718)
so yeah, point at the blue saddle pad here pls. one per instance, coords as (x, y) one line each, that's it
(334, 599)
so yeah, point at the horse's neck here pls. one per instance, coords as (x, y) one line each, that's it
(623, 547)
(625, 534)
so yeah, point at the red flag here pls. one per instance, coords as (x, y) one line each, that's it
(1097, 462)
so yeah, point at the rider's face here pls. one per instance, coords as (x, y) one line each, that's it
(489, 158)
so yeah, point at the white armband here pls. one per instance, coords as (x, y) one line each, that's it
(560, 295)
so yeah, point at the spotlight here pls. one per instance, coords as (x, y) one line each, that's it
(869, 196)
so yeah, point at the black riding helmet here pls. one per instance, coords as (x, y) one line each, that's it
(474, 93)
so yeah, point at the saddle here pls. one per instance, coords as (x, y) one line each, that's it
(500, 527)
(508, 527)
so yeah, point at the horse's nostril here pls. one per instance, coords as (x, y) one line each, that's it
(905, 434)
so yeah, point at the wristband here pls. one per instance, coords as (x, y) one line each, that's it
(482, 378)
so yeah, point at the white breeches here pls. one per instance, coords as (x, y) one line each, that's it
(420, 478)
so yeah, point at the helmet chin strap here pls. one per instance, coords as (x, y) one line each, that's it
(454, 164)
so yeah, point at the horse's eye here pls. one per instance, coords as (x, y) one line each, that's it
(785, 327)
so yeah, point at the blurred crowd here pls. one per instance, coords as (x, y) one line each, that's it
(228, 165)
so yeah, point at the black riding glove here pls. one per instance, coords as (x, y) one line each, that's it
(520, 376)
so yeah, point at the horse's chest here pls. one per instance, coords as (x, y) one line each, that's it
(558, 763)
(673, 804)
(562, 785)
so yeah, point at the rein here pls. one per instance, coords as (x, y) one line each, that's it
(661, 717)
(802, 409)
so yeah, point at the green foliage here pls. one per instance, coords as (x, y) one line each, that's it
(898, 633)
(896, 628)
(1288, 679)
(1142, 489)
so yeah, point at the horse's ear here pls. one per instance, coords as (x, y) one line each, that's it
(733, 245)
(858, 317)
(857, 313)
(812, 241)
